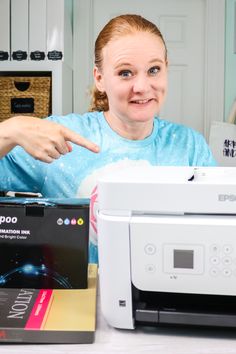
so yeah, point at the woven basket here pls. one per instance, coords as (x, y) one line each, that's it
(25, 96)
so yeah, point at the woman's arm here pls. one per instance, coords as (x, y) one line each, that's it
(43, 139)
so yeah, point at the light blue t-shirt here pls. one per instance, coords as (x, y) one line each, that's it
(76, 173)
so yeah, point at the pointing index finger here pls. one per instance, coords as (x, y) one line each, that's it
(80, 140)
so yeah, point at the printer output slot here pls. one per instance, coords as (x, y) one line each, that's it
(159, 308)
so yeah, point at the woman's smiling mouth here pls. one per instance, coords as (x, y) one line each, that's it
(141, 101)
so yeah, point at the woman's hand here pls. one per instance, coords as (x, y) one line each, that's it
(43, 139)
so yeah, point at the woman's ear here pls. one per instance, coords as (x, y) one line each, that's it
(98, 79)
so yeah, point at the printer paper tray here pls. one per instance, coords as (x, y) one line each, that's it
(156, 317)
(184, 309)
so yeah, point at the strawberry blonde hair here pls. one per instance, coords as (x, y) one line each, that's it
(117, 27)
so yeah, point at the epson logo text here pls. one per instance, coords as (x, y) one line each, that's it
(227, 197)
(8, 219)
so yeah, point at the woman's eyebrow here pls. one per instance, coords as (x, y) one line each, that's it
(119, 65)
(156, 60)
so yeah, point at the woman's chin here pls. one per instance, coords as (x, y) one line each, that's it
(143, 111)
(142, 116)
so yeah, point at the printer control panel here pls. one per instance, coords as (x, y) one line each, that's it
(187, 253)
(189, 259)
(222, 260)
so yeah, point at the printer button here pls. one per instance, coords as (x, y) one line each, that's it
(228, 249)
(150, 268)
(215, 248)
(150, 249)
(214, 272)
(215, 260)
(227, 272)
(227, 261)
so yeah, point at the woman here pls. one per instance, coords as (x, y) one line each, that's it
(122, 127)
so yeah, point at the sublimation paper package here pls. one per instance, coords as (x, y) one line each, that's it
(49, 316)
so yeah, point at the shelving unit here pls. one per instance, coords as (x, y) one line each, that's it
(49, 32)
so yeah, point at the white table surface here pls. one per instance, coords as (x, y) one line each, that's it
(143, 340)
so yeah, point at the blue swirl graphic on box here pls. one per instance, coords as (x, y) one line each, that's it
(31, 270)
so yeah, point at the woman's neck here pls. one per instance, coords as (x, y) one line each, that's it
(132, 130)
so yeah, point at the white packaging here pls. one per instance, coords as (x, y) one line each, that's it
(59, 30)
(37, 29)
(5, 30)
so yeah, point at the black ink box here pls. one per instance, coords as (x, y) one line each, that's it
(44, 243)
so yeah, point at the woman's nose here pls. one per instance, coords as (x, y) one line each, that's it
(141, 83)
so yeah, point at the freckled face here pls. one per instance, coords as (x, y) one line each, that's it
(134, 77)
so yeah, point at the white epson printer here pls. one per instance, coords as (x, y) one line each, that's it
(167, 246)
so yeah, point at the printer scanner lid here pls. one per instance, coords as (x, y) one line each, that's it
(171, 189)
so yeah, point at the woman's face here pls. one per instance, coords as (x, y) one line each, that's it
(134, 77)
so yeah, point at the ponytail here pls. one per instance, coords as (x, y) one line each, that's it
(99, 101)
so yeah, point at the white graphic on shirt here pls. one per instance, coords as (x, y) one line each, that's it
(88, 189)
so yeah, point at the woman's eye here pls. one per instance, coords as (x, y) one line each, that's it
(154, 70)
(125, 73)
